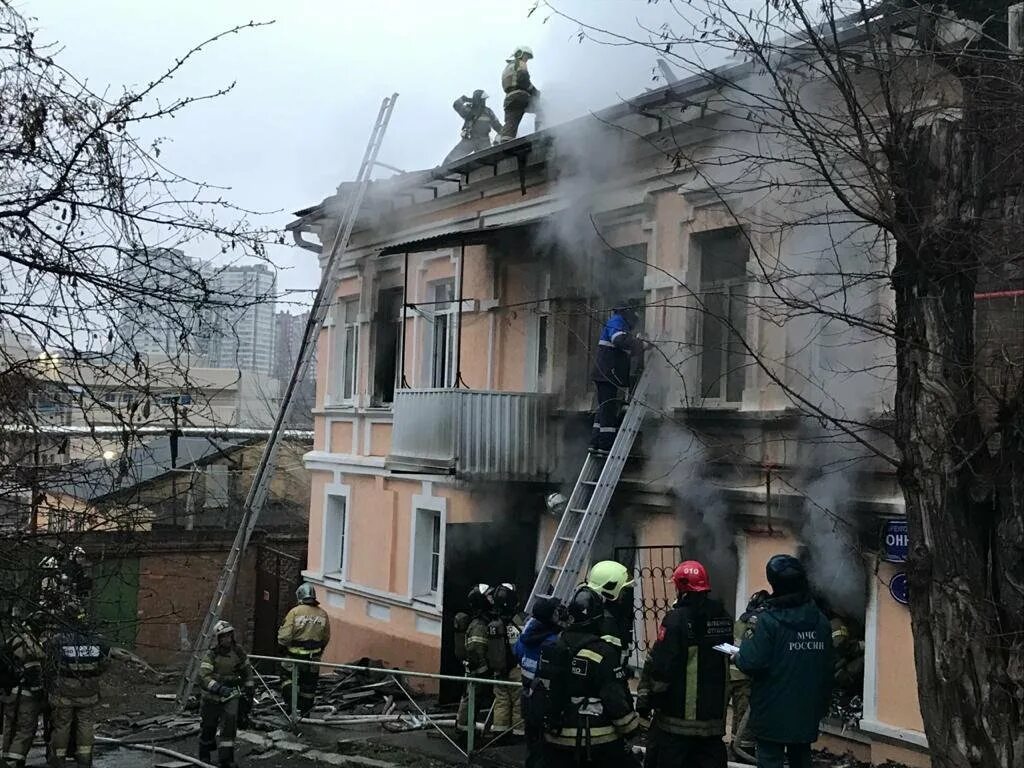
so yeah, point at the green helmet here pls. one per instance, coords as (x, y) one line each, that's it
(608, 578)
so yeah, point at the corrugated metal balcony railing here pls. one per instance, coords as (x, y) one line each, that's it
(477, 434)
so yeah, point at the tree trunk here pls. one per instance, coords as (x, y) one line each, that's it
(963, 486)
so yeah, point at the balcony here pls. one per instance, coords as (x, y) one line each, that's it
(475, 434)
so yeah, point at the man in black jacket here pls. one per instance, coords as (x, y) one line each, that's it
(684, 679)
(589, 717)
(789, 659)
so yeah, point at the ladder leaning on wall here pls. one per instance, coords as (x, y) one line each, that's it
(322, 302)
(586, 508)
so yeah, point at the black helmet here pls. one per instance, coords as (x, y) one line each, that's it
(786, 574)
(549, 610)
(479, 598)
(505, 599)
(586, 607)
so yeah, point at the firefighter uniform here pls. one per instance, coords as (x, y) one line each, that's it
(502, 635)
(478, 120)
(520, 94)
(76, 659)
(226, 677)
(592, 710)
(848, 669)
(473, 653)
(23, 701)
(611, 376)
(739, 683)
(304, 634)
(684, 679)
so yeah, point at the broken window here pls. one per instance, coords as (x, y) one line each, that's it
(723, 294)
(442, 314)
(388, 341)
(347, 330)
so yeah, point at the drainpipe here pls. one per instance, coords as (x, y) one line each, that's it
(458, 318)
(309, 245)
(405, 304)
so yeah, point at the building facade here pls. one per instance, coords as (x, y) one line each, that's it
(453, 390)
(244, 329)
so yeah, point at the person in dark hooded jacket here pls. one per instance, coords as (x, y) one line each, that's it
(540, 632)
(788, 657)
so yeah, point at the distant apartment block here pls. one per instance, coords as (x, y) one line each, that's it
(172, 320)
(243, 326)
(288, 330)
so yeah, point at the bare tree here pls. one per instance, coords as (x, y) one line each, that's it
(93, 229)
(872, 158)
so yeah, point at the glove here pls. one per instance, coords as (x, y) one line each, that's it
(226, 691)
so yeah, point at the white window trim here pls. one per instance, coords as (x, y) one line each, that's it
(345, 492)
(428, 503)
(337, 351)
(454, 330)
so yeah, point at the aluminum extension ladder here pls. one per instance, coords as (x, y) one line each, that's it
(581, 520)
(322, 302)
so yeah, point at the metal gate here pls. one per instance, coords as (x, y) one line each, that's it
(278, 574)
(653, 592)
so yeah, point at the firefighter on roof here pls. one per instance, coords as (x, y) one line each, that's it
(478, 120)
(227, 681)
(520, 94)
(304, 635)
(684, 679)
(589, 715)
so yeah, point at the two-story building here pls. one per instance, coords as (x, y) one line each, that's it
(454, 394)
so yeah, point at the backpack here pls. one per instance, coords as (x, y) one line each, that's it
(11, 670)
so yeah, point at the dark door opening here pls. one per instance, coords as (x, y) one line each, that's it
(475, 553)
(278, 575)
(388, 340)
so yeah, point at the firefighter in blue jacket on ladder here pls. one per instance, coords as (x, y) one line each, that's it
(611, 374)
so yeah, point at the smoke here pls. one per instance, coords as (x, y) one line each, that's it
(705, 530)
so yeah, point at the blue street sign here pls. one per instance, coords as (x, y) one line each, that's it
(899, 588)
(897, 541)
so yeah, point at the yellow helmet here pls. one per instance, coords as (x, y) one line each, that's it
(608, 578)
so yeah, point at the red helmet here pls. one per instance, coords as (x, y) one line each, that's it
(690, 576)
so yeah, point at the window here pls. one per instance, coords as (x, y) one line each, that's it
(723, 290)
(427, 554)
(335, 534)
(347, 330)
(442, 315)
(388, 342)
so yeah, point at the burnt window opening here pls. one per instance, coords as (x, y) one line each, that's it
(723, 293)
(388, 352)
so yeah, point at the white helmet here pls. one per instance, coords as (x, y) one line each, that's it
(77, 552)
(222, 628)
(49, 562)
(522, 50)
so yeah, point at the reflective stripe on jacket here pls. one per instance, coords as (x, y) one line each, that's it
(224, 667)
(599, 706)
(684, 678)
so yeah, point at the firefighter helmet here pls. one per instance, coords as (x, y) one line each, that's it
(305, 593)
(505, 599)
(222, 628)
(608, 578)
(691, 576)
(786, 575)
(522, 52)
(586, 607)
(479, 598)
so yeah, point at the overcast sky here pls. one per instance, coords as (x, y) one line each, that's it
(308, 87)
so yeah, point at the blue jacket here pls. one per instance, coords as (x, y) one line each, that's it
(535, 637)
(789, 660)
(613, 351)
